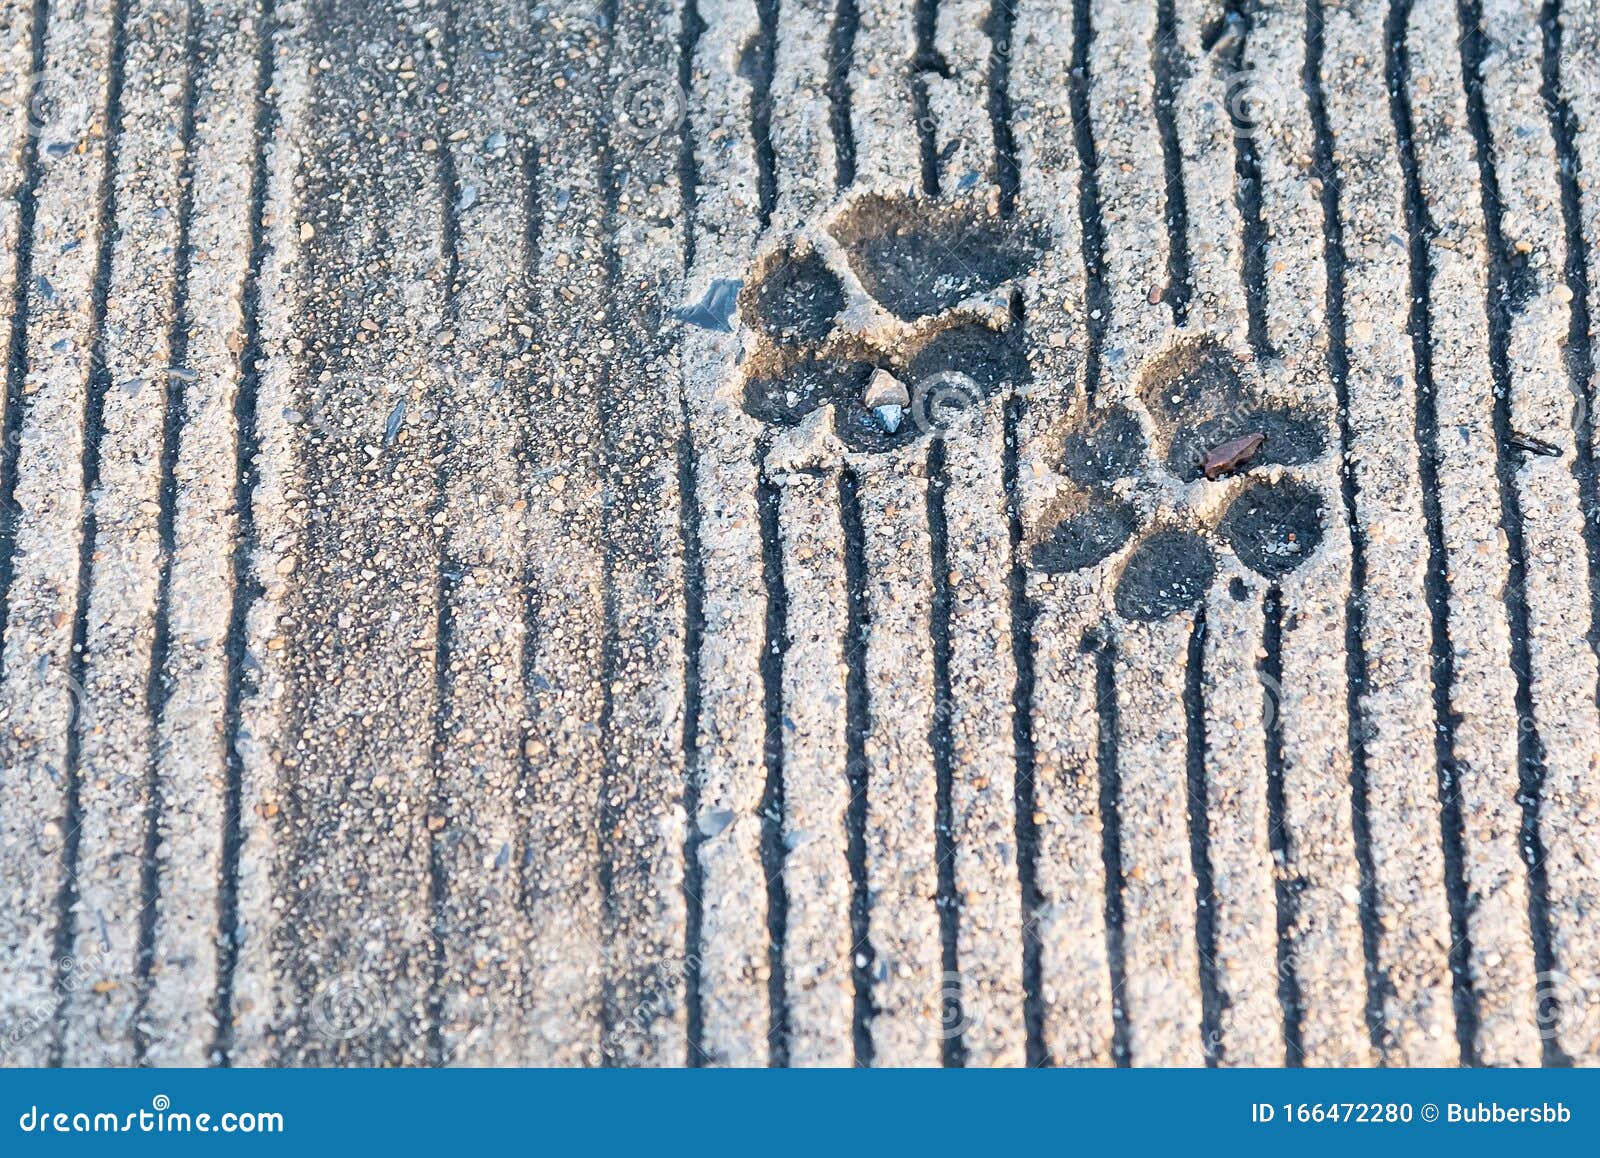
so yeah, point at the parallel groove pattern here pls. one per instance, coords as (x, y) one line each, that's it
(1170, 63)
(646, 972)
(817, 792)
(807, 697)
(773, 797)
(1489, 741)
(1504, 925)
(1156, 872)
(482, 565)
(1239, 20)
(1025, 794)
(1580, 350)
(1080, 979)
(264, 486)
(213, 504)
(92, 461)
(1573, 32)
(983, 991)
(1204, 130)
(977, 710)
(1240, 953)
(857, 624)
(1110, 776)
(734, 951)
(1308, 706)
(1396, 698)
(902, 859)
(1357, 666)
(1550, 614)
(416, 651)
(52, 376)
(27, 123)
(954, 1001)
(1096, 299)
(1271, 669)
(1428, 437)
(1205, 892)
(386, 629)
(145, 334)
(565, 638)
(694, 577)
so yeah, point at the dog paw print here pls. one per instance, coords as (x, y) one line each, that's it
(1148, 478)
(888, 322)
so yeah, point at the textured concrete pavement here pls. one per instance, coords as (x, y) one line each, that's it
(734, 532)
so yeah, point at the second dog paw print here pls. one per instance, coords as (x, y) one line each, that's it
(1144, 494)
(897, 318)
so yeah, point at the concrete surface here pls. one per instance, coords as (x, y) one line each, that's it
(460, 605)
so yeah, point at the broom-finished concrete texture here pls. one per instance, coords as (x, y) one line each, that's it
(895, 532)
